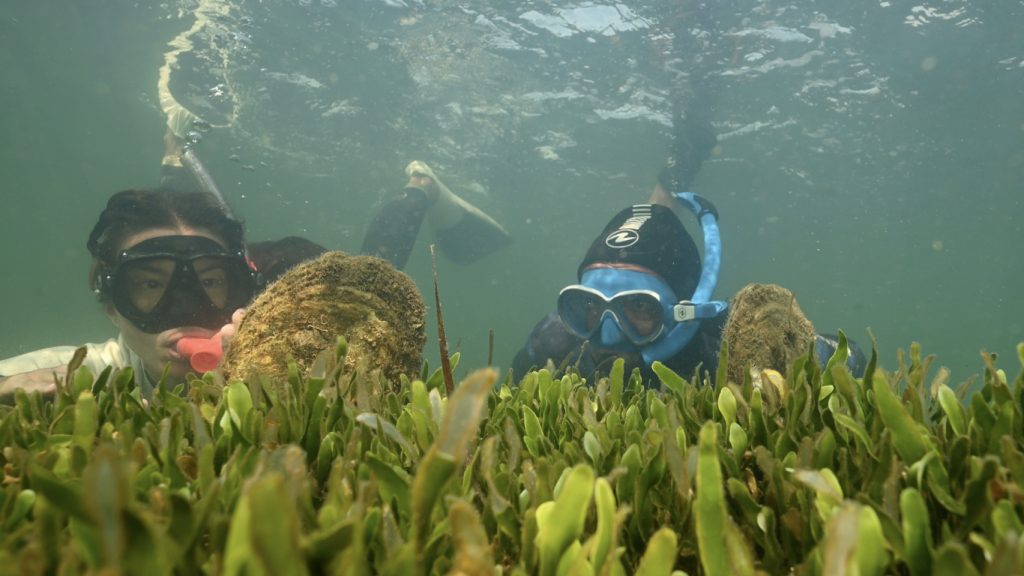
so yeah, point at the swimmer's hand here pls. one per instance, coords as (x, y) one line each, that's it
(227, 333)
(41, 380)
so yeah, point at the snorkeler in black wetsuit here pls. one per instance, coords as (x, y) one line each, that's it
(643, 294)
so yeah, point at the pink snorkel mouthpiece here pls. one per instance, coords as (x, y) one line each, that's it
(203, 353)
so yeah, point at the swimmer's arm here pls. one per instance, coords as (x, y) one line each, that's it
(41, 380)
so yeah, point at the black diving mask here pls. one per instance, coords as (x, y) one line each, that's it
(174, 281)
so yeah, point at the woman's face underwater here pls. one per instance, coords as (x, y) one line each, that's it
(156, 350)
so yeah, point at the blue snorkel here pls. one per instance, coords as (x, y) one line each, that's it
(689, 314)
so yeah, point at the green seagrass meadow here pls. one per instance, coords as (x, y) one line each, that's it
(343, 472)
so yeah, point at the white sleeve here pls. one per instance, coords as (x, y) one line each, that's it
(97, 358)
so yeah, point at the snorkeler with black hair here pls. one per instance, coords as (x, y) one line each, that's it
(166, 266)
(174, 273)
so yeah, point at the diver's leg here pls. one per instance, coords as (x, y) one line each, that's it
(462, 231)
(393, 232)
(692, 143)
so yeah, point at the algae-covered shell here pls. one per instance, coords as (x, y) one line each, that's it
(376, 308)
(767, 328)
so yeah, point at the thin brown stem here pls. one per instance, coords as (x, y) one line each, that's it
(446, 367)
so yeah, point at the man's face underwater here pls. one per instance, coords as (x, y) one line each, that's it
(604, 359)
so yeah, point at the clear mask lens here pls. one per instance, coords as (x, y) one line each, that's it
(639, 313)
(148, 280)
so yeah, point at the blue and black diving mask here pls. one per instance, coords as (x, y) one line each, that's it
(626, 310)
(620, 309)
(175, 281)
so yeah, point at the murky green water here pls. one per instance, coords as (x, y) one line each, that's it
(872, 158)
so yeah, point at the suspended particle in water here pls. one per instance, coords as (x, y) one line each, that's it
(234, 158)
(201, 125)
(928, 63)
(193, 137)
(248, 168)
(937, 245)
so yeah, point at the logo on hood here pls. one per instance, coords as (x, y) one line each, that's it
(629, 232)
(622, 238)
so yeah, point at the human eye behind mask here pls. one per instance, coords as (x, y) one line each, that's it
(214, 277)
(643, 312)
(147, 282)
